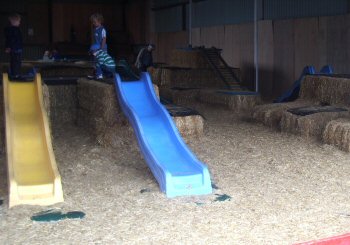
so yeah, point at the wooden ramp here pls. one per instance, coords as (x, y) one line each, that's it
(33, 177)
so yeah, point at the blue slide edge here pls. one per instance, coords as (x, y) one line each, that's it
(163, 176)
(293, 93)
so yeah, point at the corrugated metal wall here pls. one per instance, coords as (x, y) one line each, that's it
(161, 3)
(214, 12)
(168, 20)
(285, 9)
(223, 12)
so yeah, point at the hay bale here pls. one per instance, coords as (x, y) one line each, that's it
(117, 135)
(190, 125)
(239, 103)
(61, 103)
(271, 114)
(188, 59)
(156, 75)
(311, 125)
(97, 105)
(337, 133)
(99, 112)
(326, 90)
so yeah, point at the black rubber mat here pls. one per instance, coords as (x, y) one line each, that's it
(178, 111)
(308, 110)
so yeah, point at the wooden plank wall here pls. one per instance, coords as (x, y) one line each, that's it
(67, 15)
(165, 42)
(34, 17)
(266, 58)
(285, 48)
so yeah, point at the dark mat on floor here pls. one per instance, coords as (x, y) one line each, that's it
(308, 110)
(178, 111)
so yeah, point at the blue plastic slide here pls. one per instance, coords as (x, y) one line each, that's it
(174, 166)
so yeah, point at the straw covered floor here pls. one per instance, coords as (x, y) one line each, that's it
(269, 189)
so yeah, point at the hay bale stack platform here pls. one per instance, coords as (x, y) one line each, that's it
(310, 125)
(329, 99)
(271, 114)
(100, 113)
(189, 78)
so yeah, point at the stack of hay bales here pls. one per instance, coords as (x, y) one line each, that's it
(271, 114)
(310, 125)
(61, 99)
(191, 72)
(326, 90)
(315, 91)
(318, 90)
(99, 112)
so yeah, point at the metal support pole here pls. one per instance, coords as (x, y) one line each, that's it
(190, 24)
(256, 46)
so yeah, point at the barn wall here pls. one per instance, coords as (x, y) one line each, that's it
(285, 47)
(76, 15)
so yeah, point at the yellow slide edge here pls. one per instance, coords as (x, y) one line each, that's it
(16, 197)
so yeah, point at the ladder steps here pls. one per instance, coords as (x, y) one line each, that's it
(225, 72)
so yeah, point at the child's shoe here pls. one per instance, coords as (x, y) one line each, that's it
(100, 77)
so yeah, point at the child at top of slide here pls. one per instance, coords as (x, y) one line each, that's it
(13, 45)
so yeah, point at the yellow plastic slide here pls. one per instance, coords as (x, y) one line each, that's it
(32, 172)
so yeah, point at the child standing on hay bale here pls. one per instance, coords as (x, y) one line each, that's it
(144, 58)
(13, 45)
(104, 62)
(100, 34)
